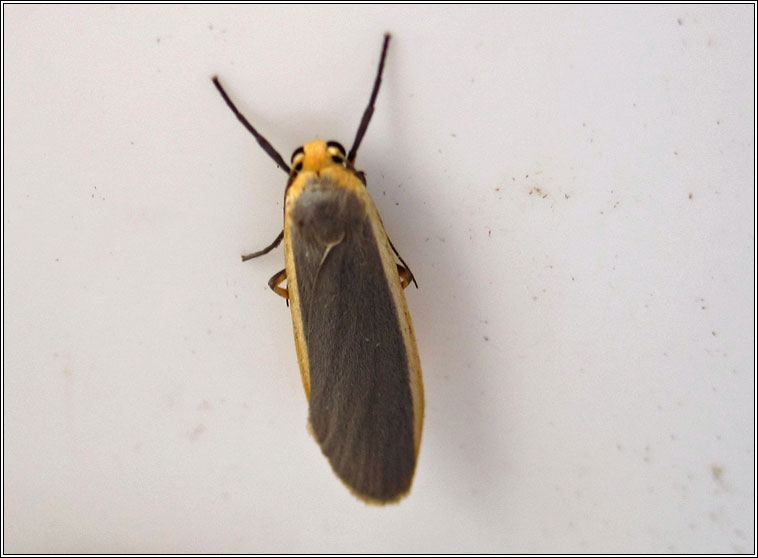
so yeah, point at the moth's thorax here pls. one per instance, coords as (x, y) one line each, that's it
(329, 176)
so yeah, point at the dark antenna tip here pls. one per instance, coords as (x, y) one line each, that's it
(263, 142)
(370, 108)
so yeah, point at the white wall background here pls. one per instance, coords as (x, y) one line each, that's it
(572, 185)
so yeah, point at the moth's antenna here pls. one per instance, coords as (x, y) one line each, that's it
(263, 142)
(370, 108)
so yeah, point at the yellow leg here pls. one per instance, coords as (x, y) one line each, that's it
(277, 280)
(405, 275)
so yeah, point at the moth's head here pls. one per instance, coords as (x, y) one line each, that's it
(317, 156)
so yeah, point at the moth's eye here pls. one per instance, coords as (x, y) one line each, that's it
(297, 160)
(299, 151)
(336, 151)
(335, 147)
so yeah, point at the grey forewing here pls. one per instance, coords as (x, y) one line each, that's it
(361, 408)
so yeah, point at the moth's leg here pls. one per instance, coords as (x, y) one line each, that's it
(277, 280)
(405, 275)
(266, 250)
